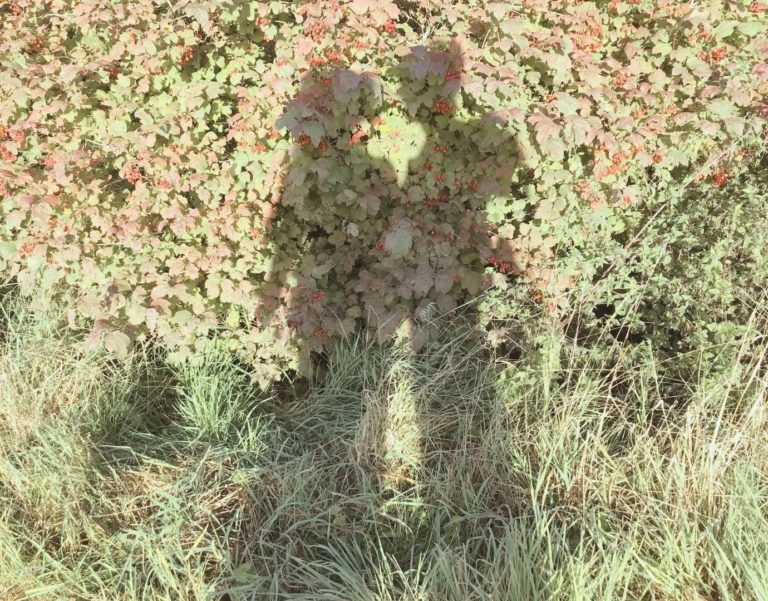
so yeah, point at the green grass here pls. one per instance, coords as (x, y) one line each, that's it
(445, 475)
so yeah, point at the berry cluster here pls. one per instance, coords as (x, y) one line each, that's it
(14, 134)
(433, 202)
(334, 56)
(187, 55)
(701, 34)
(717, 55)
(618, 163)
(316, 30)
(441, 107)
(453, 73)
(6, 154)
(584, 188)
(505, 267)
(720, 178)
(16, 9)
(589, 40)
(132, 175)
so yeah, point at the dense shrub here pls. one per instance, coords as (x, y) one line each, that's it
(286, 171)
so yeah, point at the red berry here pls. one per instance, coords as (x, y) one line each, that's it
(720, 178)
(442, 107)
(187, 55)
(452, 74)
(717, 54)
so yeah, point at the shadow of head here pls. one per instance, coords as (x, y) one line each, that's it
(430, 77)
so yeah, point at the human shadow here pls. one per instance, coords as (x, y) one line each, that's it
(381, 219)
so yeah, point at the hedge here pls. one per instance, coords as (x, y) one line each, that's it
(279, 173)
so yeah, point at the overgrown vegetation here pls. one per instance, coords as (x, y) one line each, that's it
(398, 300)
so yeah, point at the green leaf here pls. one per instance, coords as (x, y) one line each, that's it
(496, 209)
(51, 275)
(135, 313)
(117, 342)
(678, 157)
(555, 148)
(425, 279)
(117, 127)
(723, 30)
(7, 249)
(314, 130)
(567, 105)
(580, 130)
(398, 243)
(722, 108)
(200, 13)
(735, 126)
(545, 127)
(752, 28)
(233, 318)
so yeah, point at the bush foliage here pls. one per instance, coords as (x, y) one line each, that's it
(287, 171)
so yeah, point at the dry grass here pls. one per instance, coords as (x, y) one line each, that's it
(437, 476)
